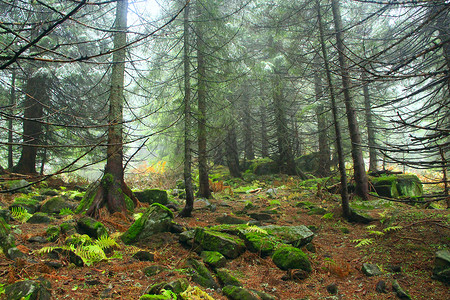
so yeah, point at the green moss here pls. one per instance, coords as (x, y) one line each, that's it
(288, 257)
(229, 245)
(107, 180)
(261, 243)
(226, 278)
(52, 233)
(235, 292)
(155, 297)
(31, 205)
(169, 212)
(213, 258)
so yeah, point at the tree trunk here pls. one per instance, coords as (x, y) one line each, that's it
(344, 192)
(370, 126)
(113, 189)
(249, 153)
(187, 211)
(324, 148)
(355, 137)
(37, 95)
(263, 118)
(203, 178)
(232, 152)
(12, 103)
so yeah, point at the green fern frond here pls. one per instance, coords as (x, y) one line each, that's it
(373, 226)
(105, 242)
(79, 239)
(392, 228)
(45, 250)
(362, 242)
(257, 229)
(375, 232)
(20, 214)
(65, 211)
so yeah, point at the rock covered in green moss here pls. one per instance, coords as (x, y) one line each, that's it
(68, 227)
(288, 258)
(30, 205)
(91, 227)
(371, 270)
(201, 275)
(229, 245)
(394, 186)
(152, 196)
(52, 233)
(55, 204)
(17, 186)
(401, 293)
(157, 218)
(238, 293)
(227, 278)
(29, 289)
(6, 239)
(264, 166)
(40, 218)
(213, 258)
(156, 297)
(295, 235)
(177, 286)
(261, 243)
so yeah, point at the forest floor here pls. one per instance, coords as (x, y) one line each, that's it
(337, 259)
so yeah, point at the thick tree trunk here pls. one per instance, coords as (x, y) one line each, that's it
(355, 137)
(247, 121)
(369, 124)
(324, 147)
(37, 95)
(344, 192)
(187, 211)
(113, 189)
(204, 190)
(263, 118)
(232, 152)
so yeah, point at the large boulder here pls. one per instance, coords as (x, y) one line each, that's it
(201, 274)
(56, 204)
(308, 163)
(31, 205)
(151, 196)
(6, 239)
(17, 186)
(441, 269)
(261, 243)
(29, 289)
(297, 236)
(264, 166)
(229, 245)
(394, 186)
(289, 258)
(157, 218)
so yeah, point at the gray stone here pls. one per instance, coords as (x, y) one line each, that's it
(6, 238)
(14, 253)
(187, 237)
(91, 227)
(177, 286)
(213, 258)
(56, 204)
(381, 287)
(5, 214)
(332, 289)
(371, 270)
(153, 270)
(358, 216)
(227, 219)
(262, 217)
(18, 186)
(144, 256)
(399, 290)
(297, 236)
(37, 239)
(441, 269)
(29, 289)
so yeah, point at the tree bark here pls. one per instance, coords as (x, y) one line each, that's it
(187, 211)
(37, 95)
(355, 137)
(12, 103)
(204, 190)
(324, 147)
(344, 192)
(369, 124)
(263, 118)
(232, 152)
(249, 153)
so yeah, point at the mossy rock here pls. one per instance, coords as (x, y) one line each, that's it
(308, 163)
(305, 204)
(6, 239)
(151, 196)
(201, 275)
(52, 233)
(153, 270)
(261, 243)
(441, 269)
(40, 218)
(264, 166)
(29, 289)
(288, 258)
(155, 297)
(238, 293)
(91, 227)
(230, 246)
(56, 204)
(30, 205)
(21, 185)
(213, 258)
(227, 278)
(68, 228)
(297, 236)
(157, 218)
(395, 186)
(177, 286)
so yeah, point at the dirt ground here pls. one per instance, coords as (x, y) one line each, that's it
(335, 257)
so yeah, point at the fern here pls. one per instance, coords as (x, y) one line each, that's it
(392, 228)
(363, 242)
(328, 216)
(257, 229)
(45, 250)
(373, 226)
(105, 242)
(375, 232)
(65, 211)
(20, 214)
